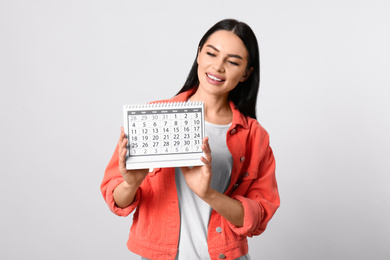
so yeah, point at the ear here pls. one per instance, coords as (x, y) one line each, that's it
(246, 75)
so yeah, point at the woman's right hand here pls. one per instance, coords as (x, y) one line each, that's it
(133, 178)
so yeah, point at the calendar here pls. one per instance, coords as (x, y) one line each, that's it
(164, 134)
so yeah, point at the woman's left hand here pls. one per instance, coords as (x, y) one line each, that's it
(198, 178)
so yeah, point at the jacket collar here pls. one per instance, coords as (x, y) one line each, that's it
(238, 117)
(184, 96)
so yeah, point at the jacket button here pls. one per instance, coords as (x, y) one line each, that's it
(242, 159)
(219, 229)
(222, 256)
(233, 131)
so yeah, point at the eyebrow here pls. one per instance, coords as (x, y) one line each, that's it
(230, 55)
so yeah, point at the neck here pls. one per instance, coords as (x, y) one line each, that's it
(217, 108)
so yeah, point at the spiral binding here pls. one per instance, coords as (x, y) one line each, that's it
(165, 105)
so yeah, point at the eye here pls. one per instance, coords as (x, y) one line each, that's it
(210, 54)
(233, 63)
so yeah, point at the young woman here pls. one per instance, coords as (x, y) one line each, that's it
(205, 212)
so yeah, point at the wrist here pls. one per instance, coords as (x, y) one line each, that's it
(128, 186)
(210, 195)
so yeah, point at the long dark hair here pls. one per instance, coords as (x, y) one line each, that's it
(244, 95)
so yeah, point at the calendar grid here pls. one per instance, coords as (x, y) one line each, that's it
(157, 132)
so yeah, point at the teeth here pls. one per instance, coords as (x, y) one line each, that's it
(213, 78)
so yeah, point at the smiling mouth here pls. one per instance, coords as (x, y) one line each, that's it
(214, 78)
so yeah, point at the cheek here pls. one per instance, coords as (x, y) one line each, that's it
(202, 65)
(201, 61)
(236, 77)
(201, 73)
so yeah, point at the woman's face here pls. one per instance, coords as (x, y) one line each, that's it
(222, 63)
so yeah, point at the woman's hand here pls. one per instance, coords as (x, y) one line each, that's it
(133, 178)
(198, 178)
(124, 193)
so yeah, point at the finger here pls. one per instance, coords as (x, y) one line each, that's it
(206, 145)
(121, 145)
(122, 134)
(122, 159)
(206, 155)
(122, 141)
(122, 149)
(122, 153)
(206, 150)
(206, 161)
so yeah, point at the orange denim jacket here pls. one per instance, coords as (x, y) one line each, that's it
(154, 233)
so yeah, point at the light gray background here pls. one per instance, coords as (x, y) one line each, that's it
(67, 67)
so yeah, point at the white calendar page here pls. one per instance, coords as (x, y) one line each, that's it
(164, 135)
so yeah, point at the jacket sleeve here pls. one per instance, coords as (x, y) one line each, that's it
(261, 198)
(112, 178)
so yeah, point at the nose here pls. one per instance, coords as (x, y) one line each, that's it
(219, 65)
